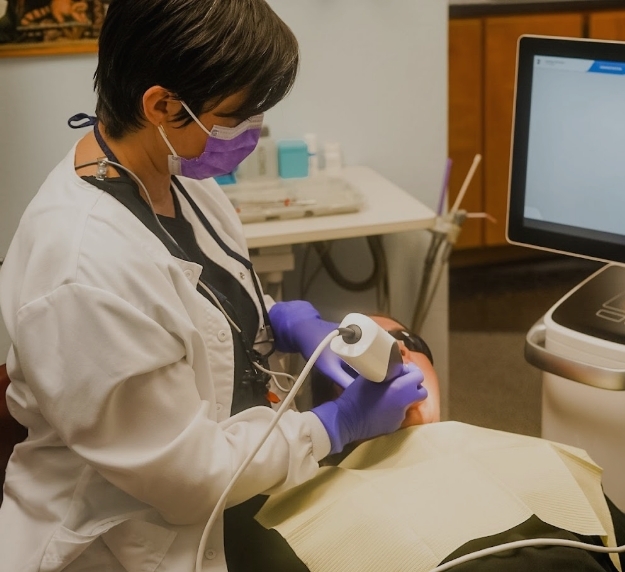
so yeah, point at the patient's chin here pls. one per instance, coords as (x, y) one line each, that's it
(421, 413)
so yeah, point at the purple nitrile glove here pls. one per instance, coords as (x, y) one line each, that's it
(298, 328)
(367, 409)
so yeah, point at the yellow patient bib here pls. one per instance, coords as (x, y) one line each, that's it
(408, 500)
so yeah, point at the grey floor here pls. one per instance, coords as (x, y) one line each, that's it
(491, 309)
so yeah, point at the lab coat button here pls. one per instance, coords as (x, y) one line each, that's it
(210, 554)
(219, 407)
(242, 275)
(188, 274)
(222, 336)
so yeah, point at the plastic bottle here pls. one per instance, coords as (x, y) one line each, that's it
(313, 154)
(262, 162)
(333, 158)
(267, 155)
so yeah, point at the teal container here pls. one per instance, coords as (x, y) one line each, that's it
(228, 179)
(292, 159)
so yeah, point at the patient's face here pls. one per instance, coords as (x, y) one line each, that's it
(429, 410)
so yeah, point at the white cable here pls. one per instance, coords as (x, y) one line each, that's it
(280, 373)
(525, 544)
(283, 389)
(151, 205)
(274, 375)
(147, 195)
(218, 304)
(138, 180)
(285, 405)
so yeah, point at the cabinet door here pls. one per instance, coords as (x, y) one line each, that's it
(607, 25)
(466, 121)
(501, 37)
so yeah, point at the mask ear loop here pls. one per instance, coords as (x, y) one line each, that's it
(195, 118)
(161, 130)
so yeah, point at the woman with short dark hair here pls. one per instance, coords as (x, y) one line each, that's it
(140, 333)
(201, 53)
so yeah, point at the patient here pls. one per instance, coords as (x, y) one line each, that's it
(413, 349)
(265, 550)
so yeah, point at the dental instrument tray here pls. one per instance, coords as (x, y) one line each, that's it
(281, 199)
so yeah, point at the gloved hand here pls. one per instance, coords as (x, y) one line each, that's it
(298, 328)
(367, 409)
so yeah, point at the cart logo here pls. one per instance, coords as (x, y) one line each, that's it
(614, 309)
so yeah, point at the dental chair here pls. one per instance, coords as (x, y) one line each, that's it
(11, 432)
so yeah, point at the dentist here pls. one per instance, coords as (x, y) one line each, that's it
(139, 330)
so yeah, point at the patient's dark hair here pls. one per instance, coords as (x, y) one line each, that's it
(203, 51)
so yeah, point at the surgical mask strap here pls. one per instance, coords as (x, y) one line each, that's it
(161, 130)
(188, 109)
(253, 122)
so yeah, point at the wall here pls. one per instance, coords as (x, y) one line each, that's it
(373, 77)
(37, 96)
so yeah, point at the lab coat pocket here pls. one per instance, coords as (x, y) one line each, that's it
(64, 547)
(138, 545)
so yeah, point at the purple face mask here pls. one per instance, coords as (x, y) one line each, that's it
(226, 147)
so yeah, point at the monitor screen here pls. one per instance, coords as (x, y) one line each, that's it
(567, 183)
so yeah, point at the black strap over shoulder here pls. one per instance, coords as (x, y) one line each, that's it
(126, 192)
(209, 227)
(250, 388)
(82, 120)
(235, 255)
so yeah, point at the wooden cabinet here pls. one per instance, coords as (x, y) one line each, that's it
(607, 25)
(482, 69)
(466, 120)
(501, 38)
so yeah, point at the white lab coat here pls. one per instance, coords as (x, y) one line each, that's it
(123, 374)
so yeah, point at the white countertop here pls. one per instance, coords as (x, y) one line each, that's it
(387, 209)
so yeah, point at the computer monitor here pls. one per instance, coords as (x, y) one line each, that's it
(567, 178)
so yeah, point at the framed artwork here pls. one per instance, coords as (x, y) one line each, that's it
(48, 27)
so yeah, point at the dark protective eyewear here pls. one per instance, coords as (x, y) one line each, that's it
(413, 342)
